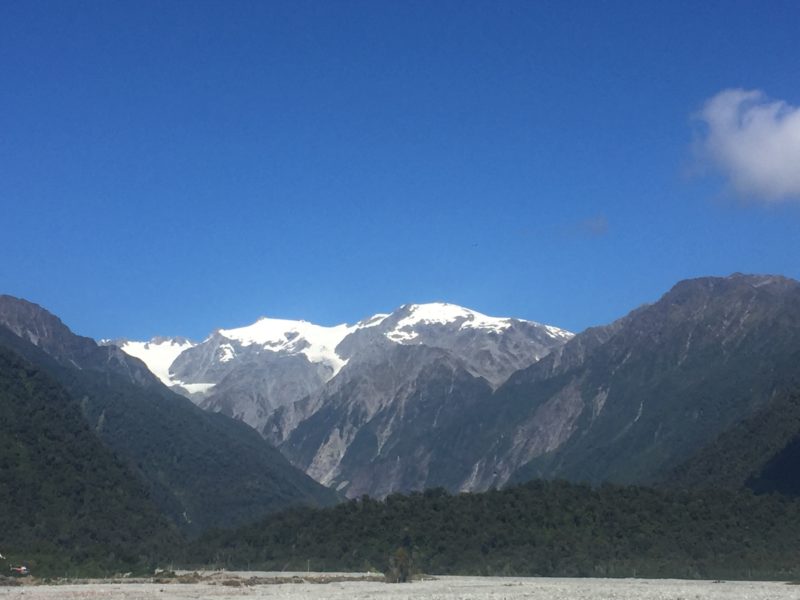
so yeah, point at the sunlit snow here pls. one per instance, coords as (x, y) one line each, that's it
(442, 313)
(157, 355)
(226, 353)
(317, 342)
(373, 321)
(194, 388)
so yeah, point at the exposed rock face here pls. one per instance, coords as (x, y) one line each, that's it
(625, 402)
(436, 395)
(374, 428)
(391, 419)
(44, 330)
(347, 403)
(660, 383)
(489, 347)
(251, 372)
(253, 390)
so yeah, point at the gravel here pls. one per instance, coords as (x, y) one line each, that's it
(231, 586)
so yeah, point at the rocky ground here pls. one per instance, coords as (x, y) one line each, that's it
(299, 586)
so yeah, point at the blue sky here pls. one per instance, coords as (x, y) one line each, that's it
(172, 167)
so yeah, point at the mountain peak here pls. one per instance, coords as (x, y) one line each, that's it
(441, 313)
(250, 371)
(317, 342)
(413, 316)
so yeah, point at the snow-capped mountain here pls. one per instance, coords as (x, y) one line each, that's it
(626, 402)
(313, 390)
(491, 347)
(249, 372)
(410, 371)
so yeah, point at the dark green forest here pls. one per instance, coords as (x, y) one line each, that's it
(759, 453)
(70, 506)
(67, 504)
(201, 469)
(99, 476)
(545, 528)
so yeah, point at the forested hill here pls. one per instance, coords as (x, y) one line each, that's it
(202, 470)
(540, 528)
(761, 453)
(66, 501)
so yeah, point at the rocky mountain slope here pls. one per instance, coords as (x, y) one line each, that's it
(202, 469)
(40, 328)
(626, 402)
(633, 400)
(370, 430)
(439, 395)
(389, 420)
(251, 372)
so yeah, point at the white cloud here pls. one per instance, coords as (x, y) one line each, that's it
(754, 142)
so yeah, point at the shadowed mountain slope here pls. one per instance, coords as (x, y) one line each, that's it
(203, 470)
(761, 453)
(66, 500)
(635, 399)
(627, 402)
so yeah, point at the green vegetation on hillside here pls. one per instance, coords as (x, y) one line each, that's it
(202, 469)
(670, 378)
(540, 528)
(67, 504)
(759, 452)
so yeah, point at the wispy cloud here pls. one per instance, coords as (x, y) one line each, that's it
(754, 142)
(591, 227)
(594, 226)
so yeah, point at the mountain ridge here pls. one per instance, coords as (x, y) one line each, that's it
(202, 469)
(708, 339)
(437, 394)
(624, 402)
(253, 371)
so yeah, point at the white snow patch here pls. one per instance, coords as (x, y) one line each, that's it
(158, 355)
(559, 333)
(442, 313)
(226, 353)
(373, 321)
(317, 342)
(195, 388)
(401, 336)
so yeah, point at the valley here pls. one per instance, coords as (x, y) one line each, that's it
(498, 297)
(680, 418)
(439, 395)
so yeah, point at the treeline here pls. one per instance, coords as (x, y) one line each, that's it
(540, 528)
